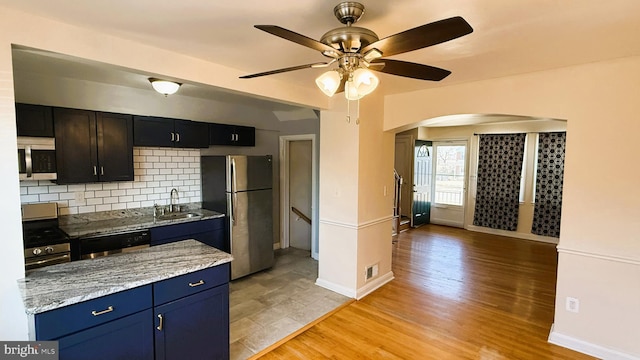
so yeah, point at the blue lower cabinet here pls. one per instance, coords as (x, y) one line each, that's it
(213, 238)
(210, 232)
(130, 337)
(184, 317)
(194, 327)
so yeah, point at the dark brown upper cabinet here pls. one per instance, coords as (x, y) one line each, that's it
(93, 146)
(234, 135)
(34, 120)
(165, 132)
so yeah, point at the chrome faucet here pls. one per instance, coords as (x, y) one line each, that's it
(172, 206)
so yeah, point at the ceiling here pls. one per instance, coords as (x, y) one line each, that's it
(509, 37)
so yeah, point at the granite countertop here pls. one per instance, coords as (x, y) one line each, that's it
(60, 285)
(118, 221)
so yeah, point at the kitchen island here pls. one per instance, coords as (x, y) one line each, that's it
(160, 302)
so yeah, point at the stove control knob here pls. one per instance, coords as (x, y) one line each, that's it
(48, 250)
(37, 251)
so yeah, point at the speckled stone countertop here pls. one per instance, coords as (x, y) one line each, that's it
(118, 221)
(60, 285)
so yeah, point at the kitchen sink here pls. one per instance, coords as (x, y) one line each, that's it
(178, 215)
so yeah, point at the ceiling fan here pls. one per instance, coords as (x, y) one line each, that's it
(357, 50)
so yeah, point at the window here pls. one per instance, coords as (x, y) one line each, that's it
(450, 172)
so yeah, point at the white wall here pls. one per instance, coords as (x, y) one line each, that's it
(356, 164)
(599, 251)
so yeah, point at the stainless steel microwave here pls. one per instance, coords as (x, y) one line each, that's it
(37, 158)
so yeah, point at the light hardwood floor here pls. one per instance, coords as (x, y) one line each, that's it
(456, 295)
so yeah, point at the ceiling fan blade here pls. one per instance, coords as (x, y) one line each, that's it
(278, 71)
(409, 69)
(300, 39)
(421, 37)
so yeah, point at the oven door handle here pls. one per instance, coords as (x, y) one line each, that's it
(31, 264)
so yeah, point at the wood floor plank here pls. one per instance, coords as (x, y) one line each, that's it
(456, 295)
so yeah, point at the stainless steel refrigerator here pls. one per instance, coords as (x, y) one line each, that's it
(241, 187)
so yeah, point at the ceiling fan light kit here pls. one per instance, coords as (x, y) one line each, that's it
(164, 87)
(358, 50)
(329, 82)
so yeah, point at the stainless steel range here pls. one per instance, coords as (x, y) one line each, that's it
(44, 243)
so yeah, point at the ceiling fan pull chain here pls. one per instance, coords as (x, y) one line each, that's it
(358, 112)
(348, 110)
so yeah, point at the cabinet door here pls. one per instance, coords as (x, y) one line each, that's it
(34, 120)
(221, 134)
(191, 134)
(153, 131)
(214, 238)
(115, 147)
(170, 233)
(130, 337)
(76, 155)
(245, 136)
(194, 327)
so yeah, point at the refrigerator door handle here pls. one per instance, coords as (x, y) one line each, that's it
(234, 196)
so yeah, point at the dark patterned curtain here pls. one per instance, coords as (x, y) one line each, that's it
(549, 177)
(498, 187)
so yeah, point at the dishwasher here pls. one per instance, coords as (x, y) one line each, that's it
(103, 245)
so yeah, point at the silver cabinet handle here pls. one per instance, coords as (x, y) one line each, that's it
(201, 282)
(101, 170)
(107, 310)
(173, 137)
(159, 327)
(95, 170)
(177, 137)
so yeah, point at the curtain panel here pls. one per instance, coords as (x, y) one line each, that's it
(500, 159)
(549, 180)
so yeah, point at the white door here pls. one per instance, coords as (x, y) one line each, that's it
(449, 183)
(300, 153)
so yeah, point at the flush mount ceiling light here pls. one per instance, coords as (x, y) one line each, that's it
(164, 87)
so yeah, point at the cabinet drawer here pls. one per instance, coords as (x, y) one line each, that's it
(69, 319)
(184, 285)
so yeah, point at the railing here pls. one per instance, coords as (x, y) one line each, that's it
(449, 197)
(397, 201)
(301, 215)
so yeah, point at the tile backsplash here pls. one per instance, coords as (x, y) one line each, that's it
(156, 172)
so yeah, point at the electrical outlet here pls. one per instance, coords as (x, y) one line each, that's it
(573, 304)
(384, 190)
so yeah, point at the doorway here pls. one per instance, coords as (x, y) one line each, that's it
(449, 183)
(298, 192)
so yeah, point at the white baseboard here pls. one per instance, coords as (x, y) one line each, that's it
(584, 347)
(446, 222)
(336, 288)
(373, 285)
(513, 234)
